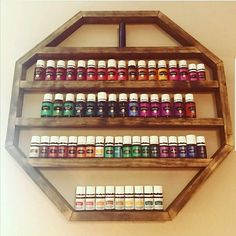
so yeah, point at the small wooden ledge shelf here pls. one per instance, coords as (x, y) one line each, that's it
(115, 215)
(119, 86)
(119, 163)
(117, 122)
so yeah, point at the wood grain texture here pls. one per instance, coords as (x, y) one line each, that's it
(119, 86)
(119, 163)
(118, 122)
(120, 216)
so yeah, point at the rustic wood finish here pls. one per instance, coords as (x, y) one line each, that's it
(190, 49)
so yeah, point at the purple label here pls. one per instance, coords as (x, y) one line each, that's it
(201, 75)
(193, 76)
(155, 109)
(178, 109)
(144, 109)
(191, 150)
(173, 152)
(183, 74)
(182, 151)
(164, 151)
(165, 109)
(173, 74)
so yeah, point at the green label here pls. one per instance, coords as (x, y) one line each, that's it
(145, 151)
(126, 151)
(117, 151)
(69, 109)
(57, 109)
(109, 152)
(46, 109)
(136, 151)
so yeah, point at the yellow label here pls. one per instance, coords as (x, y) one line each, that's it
(162, 74)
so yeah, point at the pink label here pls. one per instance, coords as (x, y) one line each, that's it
(173, 74)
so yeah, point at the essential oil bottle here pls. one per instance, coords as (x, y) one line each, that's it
(201, 72)
(178, 106)
(61, 70)
(112, 110)
(81, 71)
(58, 105)
(102, 70)
(142, 70)
(111, 69)
(145, 146)
(90, 146)
(152, 70)
(53, 147)
(99, 146)
(183, 70)
(91, 73)
(154, 146)
(127, 150)
(173, 150)
(50, 71)
(136, 146)
(162, 70)
(44, 146)
(69, 105)
(201, 147)
(165, 105)
(70, 70)
(182, 147)
(155, 107)
(132, 70)
(72, 146)
(80, 105)
(173, 70)
(122, 71)
(81, 147)
(47, 105)
(109, 147)
(91, 105)
(34, 146)
(164, 147)
(123, 105)
(102, 104)
(190, 106)
(63, 147)
(144, 105)
(118, 147)
(133, 104)
(39, 71)
(192, 69)
(191, 146)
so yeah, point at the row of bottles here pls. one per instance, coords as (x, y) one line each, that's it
(113, 70)
(100, 198)
(104, 105)
(189, 146)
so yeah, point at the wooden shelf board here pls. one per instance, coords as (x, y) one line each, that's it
(119, 163)
(117, 122)
(118, 86)
(120, 215)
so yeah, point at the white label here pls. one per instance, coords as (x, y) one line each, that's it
(109, 203)
(80, 204)
(119, 203)
(158, 203)
(138, 204)
(148, 203)
(90, 204)
(34, 152)
(99, 152)
(100, 204)
(129, 203)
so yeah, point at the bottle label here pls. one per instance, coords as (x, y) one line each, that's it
(162, 74)
(145, 151)
(164, 151)
(132, 74)
(201, 75)
(144, 109)
(139, 203)
(80, 204)
(122, 111)
(193, 75)
(191, 151)
(133, 109)
(190, 110)
(81, 151)
(111, 110)
(99, 151)
(57, 109)
(70, 73)
(90, 109)
(173, 151)
(53, 150)
(117, 151)
(201, 152)
(101, 74)
(183, 73)
(81, 73)
(46, 110)
(60, 73)
(68, 109)
(50, 73)
(182, 150)
(111, 74)
(43, 151)
(155, 109)
(129, 203)
(90, 151)
(62, 151)
(136, 151)
(39, 73)
(91, 74)
(109, 152)
(173, 74)
(165, 109)
(80, 109)
(101, 109)
(71, 151)
(178, 109)
(154, 151)
(127, 151)
(34, 152)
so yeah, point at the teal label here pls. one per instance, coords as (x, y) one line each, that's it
(136, 151)
(109, 152)
(69, 109)
(46, 109)
(57, 109)
(126, 151)
(145, 151)
(117, 151)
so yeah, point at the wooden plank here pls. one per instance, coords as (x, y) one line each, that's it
(119, 163)
(50, 191)
(119, 86)
(186, 194)
(118, 53)
(120, 216)
(117, 122)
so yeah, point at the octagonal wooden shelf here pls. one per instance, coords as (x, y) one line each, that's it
(49, 49)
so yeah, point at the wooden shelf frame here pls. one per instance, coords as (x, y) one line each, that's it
(48, 48)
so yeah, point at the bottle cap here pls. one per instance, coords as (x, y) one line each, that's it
(178, 97)
(172, 63)
(138, 189)
(154, 139)
(136, 140)
(200, 66)
(81, 140)
(61, 63)
(200, 139)
(111, 63)
(148, 189)
(118, 139)
(181, 139)
(123, 97)
(80, 97)
(59, 96)
(63, 139)
(192, 66)
(70, 97)
(112, 97)
(45, 139)
(144, 139)
(80, 190)
(110, 189)
(189, 97)
(72, 139)
(71, 64)
(100, 190)
(183, 63)
(90, 190)
(90, 140)
(47, 97)
(81, 63)
(152, 64)
(91, 97)
(91, 63)
(161, 64)
(35, 139)
(119, 190)
(163, 139)
(102, 96)
(126, 139)
(133, 97)
(109, 139)
(40, 63)
(101, 64)
(157, 189)
(144, 97)
(54, 139)
(154, 98)
(141, 63)
(165, 97)
(122, 64)
(191, 139)
(99, 139)
(172, 140)
(51, 63)
(132, 63)
(129, 189)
